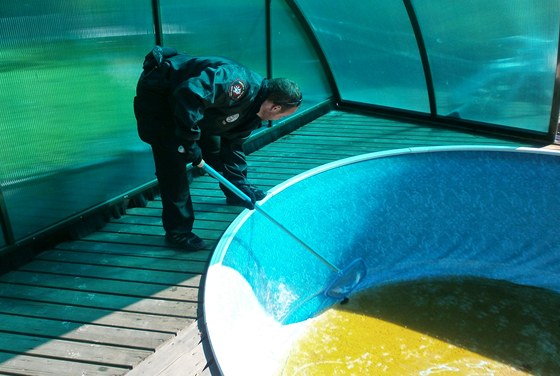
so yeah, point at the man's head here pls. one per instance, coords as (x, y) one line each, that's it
(284, 98)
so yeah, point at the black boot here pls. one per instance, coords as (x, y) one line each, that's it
(186, 241)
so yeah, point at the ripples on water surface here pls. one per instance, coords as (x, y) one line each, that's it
(460, 326)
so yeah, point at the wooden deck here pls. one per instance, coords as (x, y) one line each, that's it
(120, 302)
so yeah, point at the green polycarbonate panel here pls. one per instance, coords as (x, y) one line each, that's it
(372, 51)
(235, 29)
(493, 61)
(68, 76)
(293, 56)
(69, 71)
(238, 30)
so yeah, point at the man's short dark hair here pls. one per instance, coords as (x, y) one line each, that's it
(284, 92)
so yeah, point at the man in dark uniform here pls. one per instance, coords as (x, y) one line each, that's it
(183, 101)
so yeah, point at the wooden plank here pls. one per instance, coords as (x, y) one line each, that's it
(216, 206)
(350, 126)
(147, 210)
(395, 134)
(207, 194)
(213, 205)
(396, 140)
(150, 240)
(100, 300)
(17, 364)
(210, 228)
(260, 164)
(184, 355)
(282, 172)
(79, 332)
(306, 160)
(123, 261)
(139, 226)
(100, 285)
(335, 154)
(118, 229)
(114, 273)
(130, 249)
(275, 177)
(93, 315)
(154, 211)
(147, 220)
(341, 149)
(62, 349)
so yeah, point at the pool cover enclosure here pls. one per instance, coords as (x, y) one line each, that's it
(69, 69)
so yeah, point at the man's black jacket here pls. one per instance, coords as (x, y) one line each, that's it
(179, 96)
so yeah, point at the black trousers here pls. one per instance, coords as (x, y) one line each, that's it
(171, 172)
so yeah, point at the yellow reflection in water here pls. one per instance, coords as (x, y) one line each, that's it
(437, 327)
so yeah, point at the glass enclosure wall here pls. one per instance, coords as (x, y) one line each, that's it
(238, 30)
(235, 29)
(490, 61)
(372, 52)
(490, 68)
(69, 74)
(293, 55)
(69, 71)
(68, 77)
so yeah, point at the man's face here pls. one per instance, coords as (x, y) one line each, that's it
(271, 111)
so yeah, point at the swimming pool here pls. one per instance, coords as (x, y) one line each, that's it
(408, 214)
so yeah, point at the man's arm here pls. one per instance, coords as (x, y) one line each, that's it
(190, 104)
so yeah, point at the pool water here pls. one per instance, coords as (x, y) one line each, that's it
(421, 220)
(445, 326)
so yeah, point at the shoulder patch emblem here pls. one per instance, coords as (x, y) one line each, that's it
(237, 89)
(232, 118)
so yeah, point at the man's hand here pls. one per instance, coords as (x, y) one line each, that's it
(249, 192)
(193, 154)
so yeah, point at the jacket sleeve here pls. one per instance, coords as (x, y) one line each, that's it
(189, 109)
(193, 97)
(212, 89)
